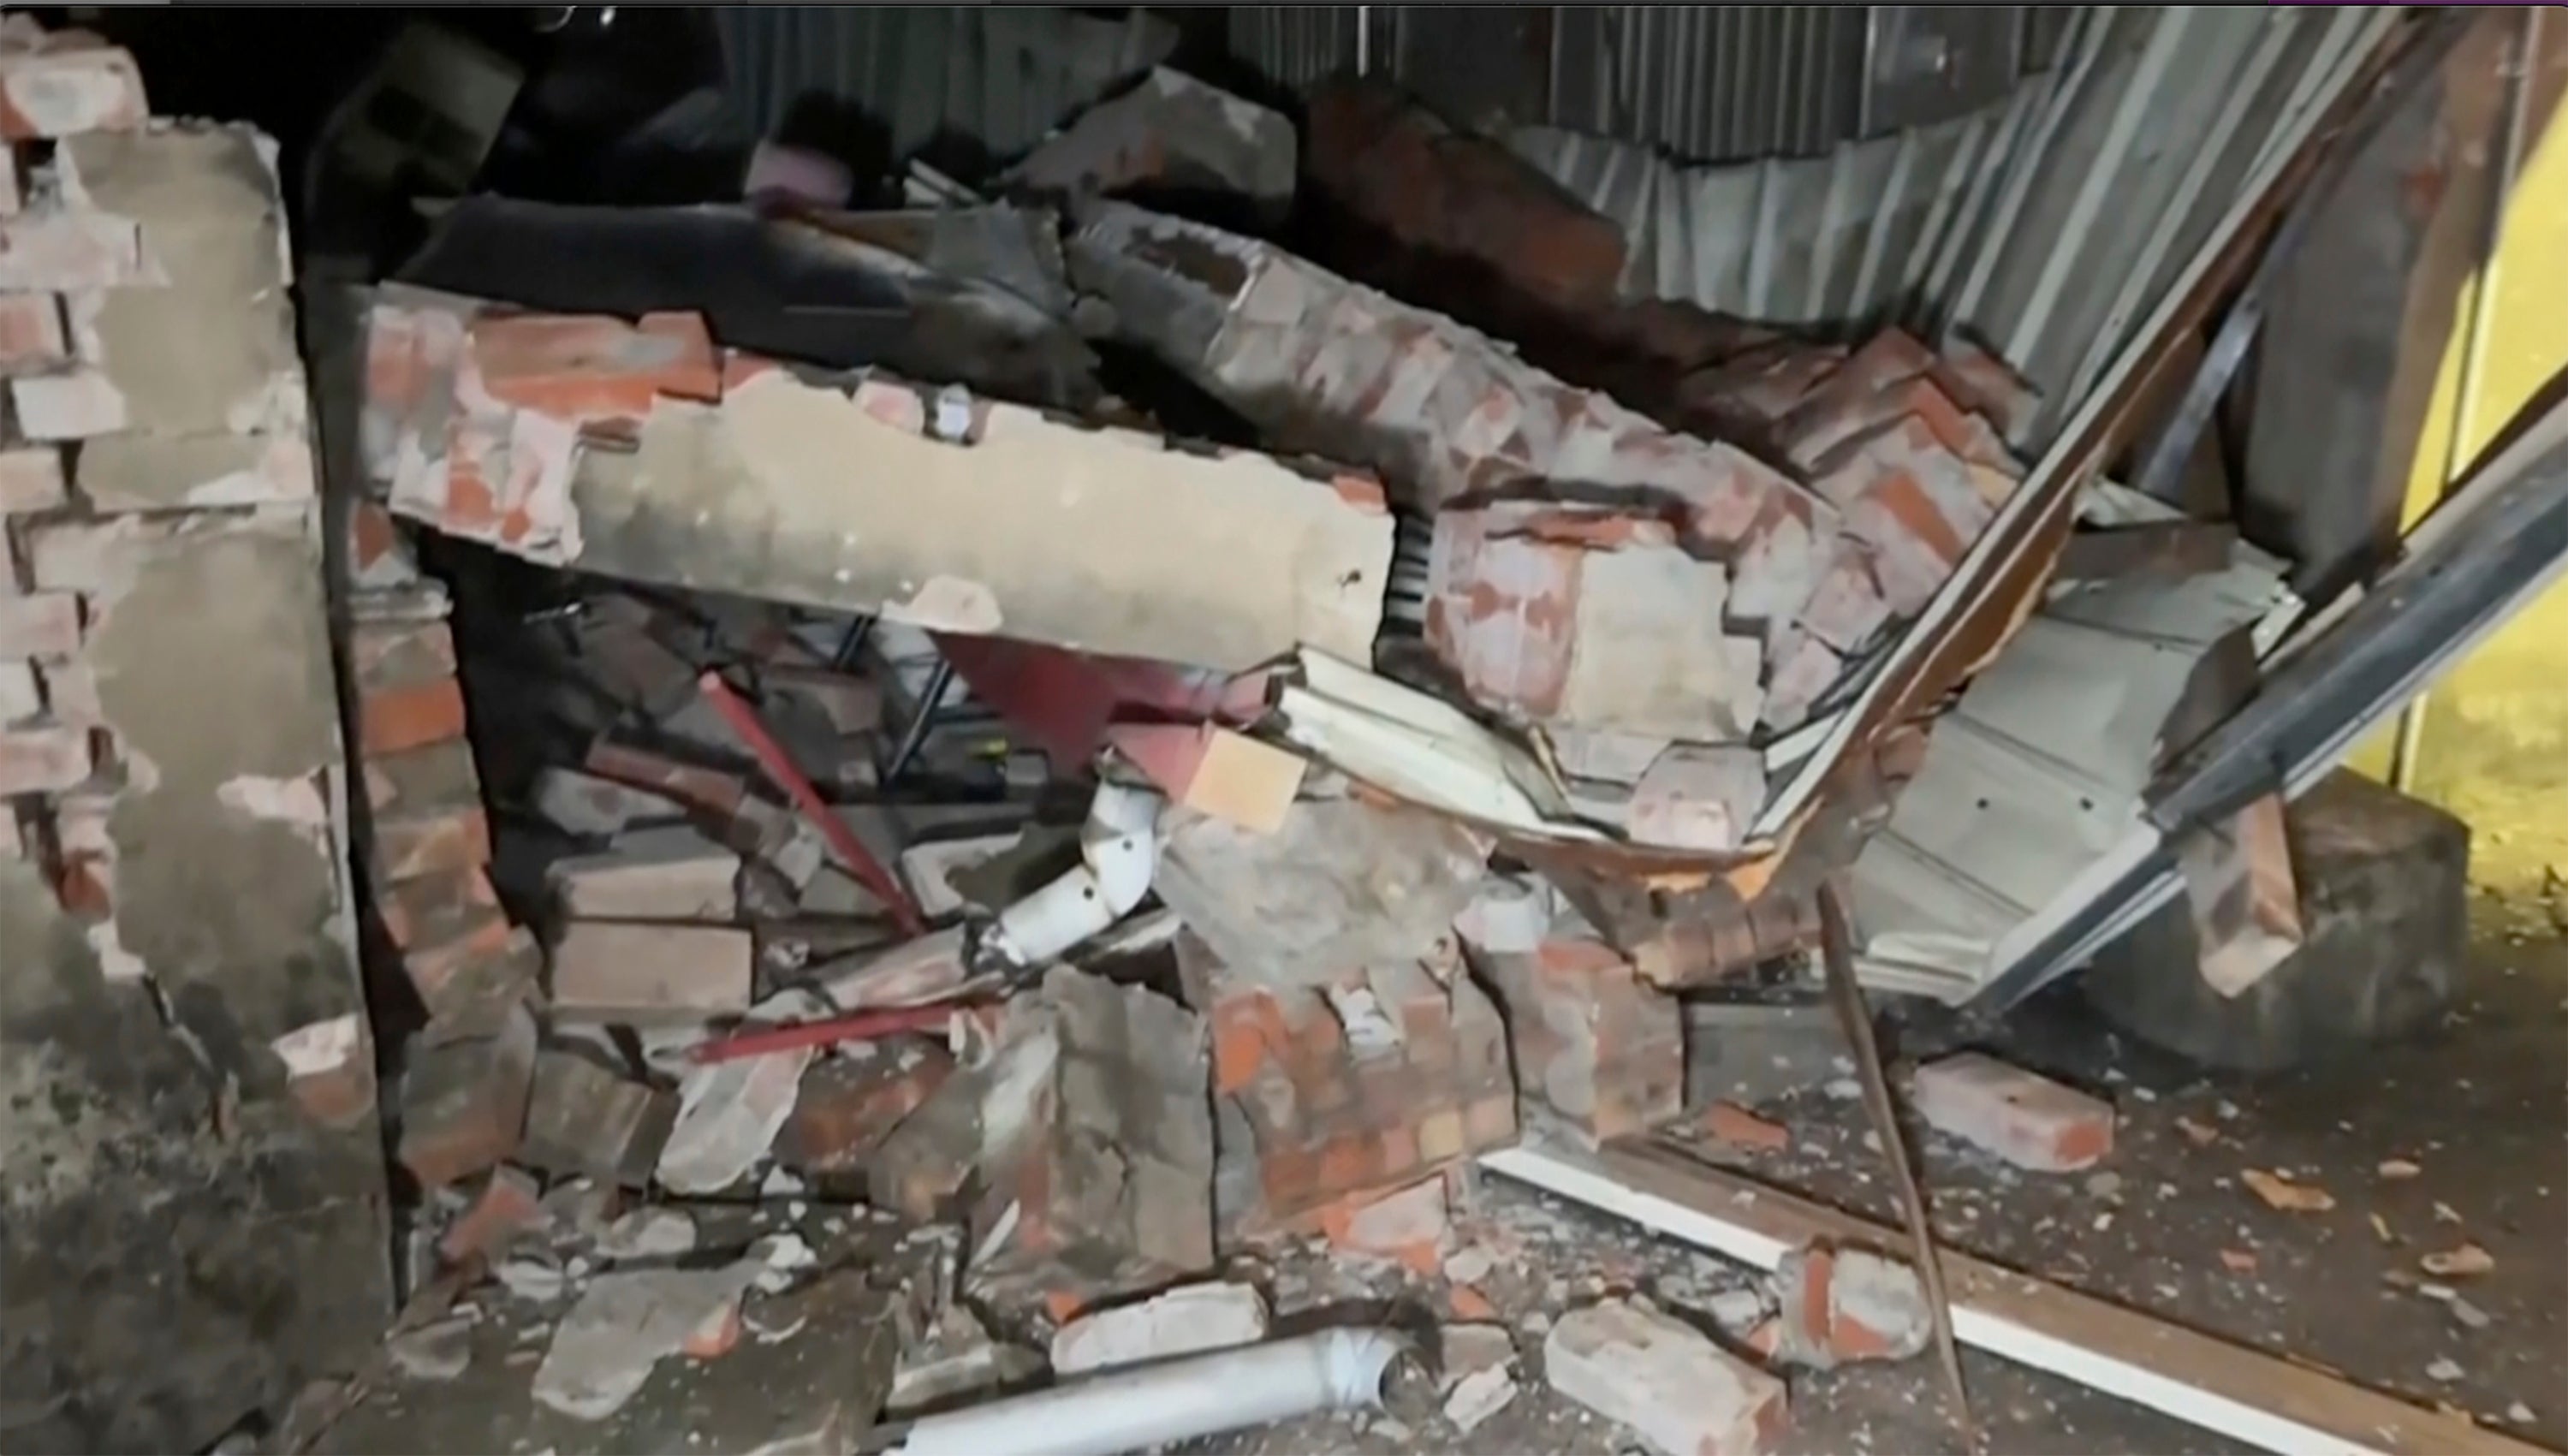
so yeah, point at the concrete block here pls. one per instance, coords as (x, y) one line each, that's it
(634, 972)
(2026, 1118)
(1674, 1388)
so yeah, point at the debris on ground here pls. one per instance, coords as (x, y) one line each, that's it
(920, 963)
(1842, 1304)
(2283, 1195)
(1674, 1387)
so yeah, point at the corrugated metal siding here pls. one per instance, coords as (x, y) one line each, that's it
(1712, 81)
(1295, 45)
(1705, 82)
(999, 76)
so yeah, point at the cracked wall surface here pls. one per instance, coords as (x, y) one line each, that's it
(190, 1157)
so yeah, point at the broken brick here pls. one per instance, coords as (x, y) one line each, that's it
(63, 89)
(436, 909)
(410, 843)
(506, 1203)
(441, 776)
(387, 655)
(850, 1104)
(1844, 1305)
(1679, 1391)
(1599, 1051)
(584, 1118)
(472, 988)
(2025, 1118)
(641, 972)
(1409, 1226)
(330, 1071)
(464, 1103)
(398, 720)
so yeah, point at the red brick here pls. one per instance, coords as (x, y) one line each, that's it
(43, 759)
(31, 334)
(1408, 1225)
(582, 1118)
(399, 720)
(397, 653)
(432, 964)
(31, 479)
(506, 1203)
(849, 1105)
(409, 844)
(478, 992)
(39, 626)
(434, 907)
(464, 1103)
(576, 367)
(2025, 1118)
(70, 87)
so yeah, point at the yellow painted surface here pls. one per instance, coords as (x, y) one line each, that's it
(2495, 743)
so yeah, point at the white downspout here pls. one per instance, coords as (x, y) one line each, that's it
(1170, 1400)
(1118, 851)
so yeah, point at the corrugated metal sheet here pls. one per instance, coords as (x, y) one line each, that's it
(994, 76)
(1296, 45)
(2047, 226)
(1847, 236)
(1712, 81)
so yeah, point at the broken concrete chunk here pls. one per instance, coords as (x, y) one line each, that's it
(729, 1113)
(672, 873)
(2027, 1119)
(1182, 1321)
(1341, 884)
(1479, 1395)
(1674, 1388)
(626, 1322)
(633, 972)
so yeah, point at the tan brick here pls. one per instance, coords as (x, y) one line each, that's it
(22, 697)
(2026, 1118)
(623, 970)
(39, 627)
(55, 251)
(43, 759)
(73, 404)
(671, 873)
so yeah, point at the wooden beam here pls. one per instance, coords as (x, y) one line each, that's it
(2241, 1392)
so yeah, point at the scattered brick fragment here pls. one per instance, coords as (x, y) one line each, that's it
(1674, 1387)
(2027, 1119)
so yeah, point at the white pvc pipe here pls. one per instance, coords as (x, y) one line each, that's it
(1172, 1400)
(1118, 850)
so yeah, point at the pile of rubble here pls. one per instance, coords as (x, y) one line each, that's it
(1320, 815)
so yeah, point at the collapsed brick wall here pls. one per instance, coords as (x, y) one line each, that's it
(190, 1163)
